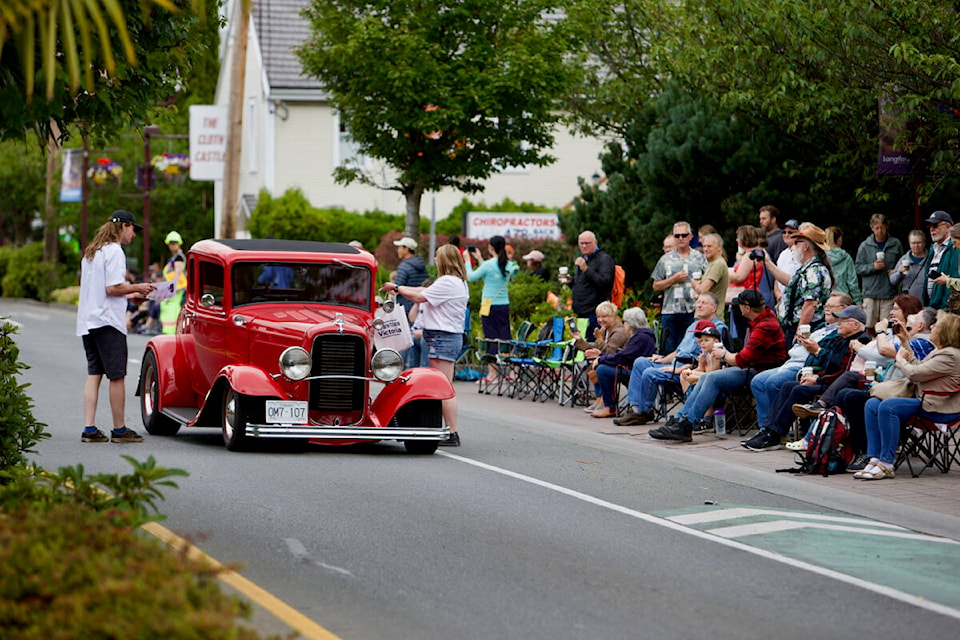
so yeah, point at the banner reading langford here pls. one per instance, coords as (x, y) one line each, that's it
(532, 226)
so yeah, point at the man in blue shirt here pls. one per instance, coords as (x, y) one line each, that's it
(650, 373)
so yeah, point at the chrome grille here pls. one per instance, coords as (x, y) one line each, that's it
(334, 355)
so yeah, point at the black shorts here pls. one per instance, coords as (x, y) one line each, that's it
(496, 326)
(106, 350)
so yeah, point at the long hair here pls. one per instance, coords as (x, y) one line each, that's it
(450, 262)
(500, 248)
(107, 233)
(825, 261)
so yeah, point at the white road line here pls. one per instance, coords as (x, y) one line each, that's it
(748, 512)
(300, 553)
(133, 361)
(774, 526)
(704, 535)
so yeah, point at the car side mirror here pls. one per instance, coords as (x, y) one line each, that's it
(207, 300)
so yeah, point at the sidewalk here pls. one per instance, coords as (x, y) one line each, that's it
(933, 491)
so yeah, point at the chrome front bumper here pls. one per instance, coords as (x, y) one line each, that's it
(343, 433)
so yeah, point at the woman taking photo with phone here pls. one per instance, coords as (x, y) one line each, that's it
(496, 273)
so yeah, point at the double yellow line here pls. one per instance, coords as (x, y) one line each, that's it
(276, 607)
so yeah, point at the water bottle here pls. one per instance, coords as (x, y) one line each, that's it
(720, 422)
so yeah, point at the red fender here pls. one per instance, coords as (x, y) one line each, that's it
(175, 391)
(244, 379)
(422, 383)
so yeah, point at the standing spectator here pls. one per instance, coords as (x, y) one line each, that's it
(749, 272)
(534, 261)
(942, 259)
(174, 270)
(844, 270)
(765, 348)
(786, 261)
(716, 276)
(876, 260)
(910, 266)
(768, 222)
(808, 288)
(673, 275)
(950, 282)
(412, 270)
(669, 244)
(496, 274)
(101, 323)
(443, 305)
(593, 280)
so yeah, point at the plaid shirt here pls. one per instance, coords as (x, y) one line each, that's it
(765, 347)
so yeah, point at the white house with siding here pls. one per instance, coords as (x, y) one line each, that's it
(292, 137)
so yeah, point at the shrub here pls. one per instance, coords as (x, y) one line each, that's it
(19, 430)
(67, 295)
(27, 276)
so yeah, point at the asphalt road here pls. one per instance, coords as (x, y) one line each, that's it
(531, 530)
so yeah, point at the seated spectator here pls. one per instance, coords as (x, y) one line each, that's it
(766, 384)
(937, 376)
(765, 348)
(649, 373)
(609, 337)
(641, 343)
(832, 357)
(707, 337)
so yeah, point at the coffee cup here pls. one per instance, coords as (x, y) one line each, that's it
(803, 331)
(879, 255)
(697, 275)
(564, 271)
(870, 370)
(806, 372)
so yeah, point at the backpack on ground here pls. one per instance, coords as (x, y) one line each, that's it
(619, 285)
(828, 445)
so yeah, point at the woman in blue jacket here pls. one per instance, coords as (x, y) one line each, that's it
(496, 273)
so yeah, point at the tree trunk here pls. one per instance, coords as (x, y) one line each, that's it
(413, 196)
(51, 226)
(231, 170)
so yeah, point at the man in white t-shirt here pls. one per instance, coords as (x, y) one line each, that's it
(102, 323)
(786, 262)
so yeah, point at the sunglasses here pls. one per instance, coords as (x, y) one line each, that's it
(681, 235)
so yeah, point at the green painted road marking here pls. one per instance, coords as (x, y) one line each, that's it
(915, 563)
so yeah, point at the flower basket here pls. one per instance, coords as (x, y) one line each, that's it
(103, 171)
(172, 166)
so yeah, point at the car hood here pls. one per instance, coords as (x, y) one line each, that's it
(297, 320)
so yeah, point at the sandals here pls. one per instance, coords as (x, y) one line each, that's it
(604, 412)
(797, 445)
(876, 470)
(594, 407)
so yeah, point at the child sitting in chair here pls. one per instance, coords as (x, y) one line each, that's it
(707, 337)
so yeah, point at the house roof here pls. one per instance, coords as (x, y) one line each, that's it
(280, 28)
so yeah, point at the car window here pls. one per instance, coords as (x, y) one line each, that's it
(298, 282)
(211, 281)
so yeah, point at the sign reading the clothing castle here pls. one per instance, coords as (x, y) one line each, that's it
(531, 226)
(208, 142)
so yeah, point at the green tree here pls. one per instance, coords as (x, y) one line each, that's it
(443, 92)
(22, 172)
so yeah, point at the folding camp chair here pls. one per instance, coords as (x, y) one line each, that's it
(931, 444)
(523, 363)
(499, 359)
(550, 363)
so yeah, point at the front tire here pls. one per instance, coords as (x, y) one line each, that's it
(154, 422)
(422, 413)
(233, 421)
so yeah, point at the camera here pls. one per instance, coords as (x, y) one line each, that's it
(757, 255)
(933, 274)
(471, 248)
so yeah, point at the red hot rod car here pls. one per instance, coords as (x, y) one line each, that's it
(276, 340)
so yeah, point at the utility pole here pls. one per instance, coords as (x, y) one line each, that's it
(231, 177)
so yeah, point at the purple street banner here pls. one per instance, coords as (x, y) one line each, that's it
(892, 159)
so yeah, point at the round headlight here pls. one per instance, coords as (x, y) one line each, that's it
(386, 364)
(295, 363)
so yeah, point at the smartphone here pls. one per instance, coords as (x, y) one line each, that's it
(933, 275)
(471, 248)
(572, 323)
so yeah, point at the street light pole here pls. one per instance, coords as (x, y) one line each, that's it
(147, 183)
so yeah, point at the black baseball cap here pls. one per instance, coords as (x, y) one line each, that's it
(751, 298)
(122, 215)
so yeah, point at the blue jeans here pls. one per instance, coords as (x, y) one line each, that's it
(704, 394)
(606, 378)
(645, 380)
(883, 419)
(674, 325)
(766, 384)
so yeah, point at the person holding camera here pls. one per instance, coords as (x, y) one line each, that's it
(749, 272)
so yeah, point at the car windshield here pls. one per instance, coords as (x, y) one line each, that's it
(341, 284)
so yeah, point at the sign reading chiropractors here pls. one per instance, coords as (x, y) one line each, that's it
(532, 226)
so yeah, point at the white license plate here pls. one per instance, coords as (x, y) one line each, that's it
(286, 412)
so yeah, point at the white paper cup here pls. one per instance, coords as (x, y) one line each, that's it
(879, 255)
(805, 372)
(870, 370)
(564, 271)
(803, 331)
